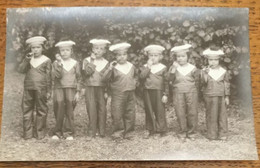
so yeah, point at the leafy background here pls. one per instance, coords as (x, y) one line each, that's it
(201, 27)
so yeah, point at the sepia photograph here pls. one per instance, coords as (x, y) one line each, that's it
(127, 83)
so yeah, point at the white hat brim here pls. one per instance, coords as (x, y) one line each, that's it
(209, 52)
(99, 41)
(154, 48)
(181, 48)
(119, 46)
(65, 43)
(36, 39)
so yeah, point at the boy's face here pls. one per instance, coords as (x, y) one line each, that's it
(121, 56)
(182, 58)
(213, 62)
(36, 50)
(99, 50)
(155, 56)
(65, 52)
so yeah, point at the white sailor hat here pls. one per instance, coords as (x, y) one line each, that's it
(152, 48)
(181, 48)
(119, 46)
(99, 42)
(68, 43)
(35, 40)
(213, 53)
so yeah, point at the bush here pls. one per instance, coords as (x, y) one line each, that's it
(228, 29)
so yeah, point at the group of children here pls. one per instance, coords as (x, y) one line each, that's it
(65, 78)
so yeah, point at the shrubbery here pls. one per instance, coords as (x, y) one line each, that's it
(231, 34)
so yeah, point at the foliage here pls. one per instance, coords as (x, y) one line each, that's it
(230, 33)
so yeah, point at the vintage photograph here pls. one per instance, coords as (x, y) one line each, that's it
(127, 83)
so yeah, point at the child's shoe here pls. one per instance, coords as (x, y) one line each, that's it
(55, 137)
(69, 138)
(223, 138)
(149, 134)
(128, 136)
(191, 136)
(117, 135)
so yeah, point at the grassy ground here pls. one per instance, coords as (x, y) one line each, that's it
(240, 145)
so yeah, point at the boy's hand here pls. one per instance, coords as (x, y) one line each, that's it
(58, 58)
(29, 56)
(175, 65)
(90, 67)
(112, 65)
(227, 100)
(105, 96)
(149, 63)
(164, 99)
(206, 69)
(49, 95)
(173, 70)
(76, 97)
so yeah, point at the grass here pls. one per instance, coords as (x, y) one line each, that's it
(240, 145)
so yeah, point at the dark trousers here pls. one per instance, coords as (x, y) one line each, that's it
(154, 111)
(186, 110)
(96, 108)
(216, 116)
(123, 111)
(63, 108)
(34, 100)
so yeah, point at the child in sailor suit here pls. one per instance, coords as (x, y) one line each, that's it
(67, 79)
(123, 79)
(154, 78)
(216, 91)
(37, 89)
(185, 78)
(93, 70)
